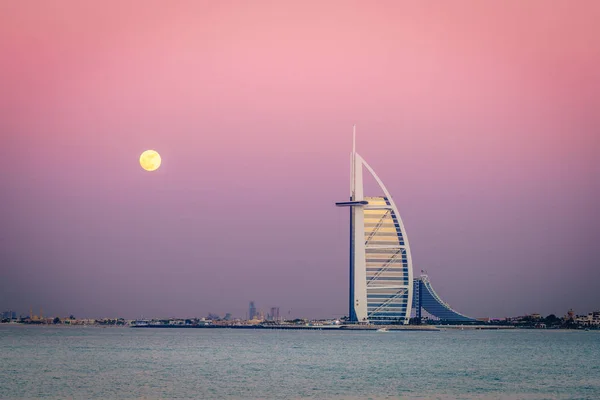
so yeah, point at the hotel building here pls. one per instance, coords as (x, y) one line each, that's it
(381, 282)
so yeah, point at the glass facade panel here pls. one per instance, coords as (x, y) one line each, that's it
(425, 297)
(385, 266)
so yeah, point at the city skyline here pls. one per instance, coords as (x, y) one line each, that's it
(480, 118)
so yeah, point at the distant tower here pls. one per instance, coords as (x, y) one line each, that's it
(252, 311)
(274, 313)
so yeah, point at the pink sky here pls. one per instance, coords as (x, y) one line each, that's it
(481, 118)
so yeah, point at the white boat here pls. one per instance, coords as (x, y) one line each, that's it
(383, 330)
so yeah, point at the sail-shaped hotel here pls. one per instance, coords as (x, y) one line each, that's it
(382, 289)
(381, 282)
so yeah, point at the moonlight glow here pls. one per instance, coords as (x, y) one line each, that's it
(150, 160)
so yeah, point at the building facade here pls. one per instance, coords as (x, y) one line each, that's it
(252, 311)
(274, 314)
(424, 297)
(8, 315)
(381, 282)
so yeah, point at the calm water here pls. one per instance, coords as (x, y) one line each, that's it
(103, 363)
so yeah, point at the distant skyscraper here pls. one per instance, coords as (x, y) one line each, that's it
(381, 282)
(9, 315)
(252, 311)
(274, 316)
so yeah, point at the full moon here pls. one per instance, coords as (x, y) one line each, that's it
(150, 160)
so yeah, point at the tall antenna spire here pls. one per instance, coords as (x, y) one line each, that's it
(354, 138)
(353, 163)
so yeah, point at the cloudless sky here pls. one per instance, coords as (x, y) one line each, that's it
(482, 119)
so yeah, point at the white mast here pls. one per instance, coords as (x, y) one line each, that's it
(354, 139)
(352, 163)
(358, 236)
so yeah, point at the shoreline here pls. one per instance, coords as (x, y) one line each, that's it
(389, 328)
(426, 328)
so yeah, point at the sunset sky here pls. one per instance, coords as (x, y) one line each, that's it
(482, 118)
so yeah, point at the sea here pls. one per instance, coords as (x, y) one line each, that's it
(47, 362)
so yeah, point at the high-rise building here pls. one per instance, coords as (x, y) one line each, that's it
(9, 315)
(381, 281)
(274, 315)
(252, 311)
